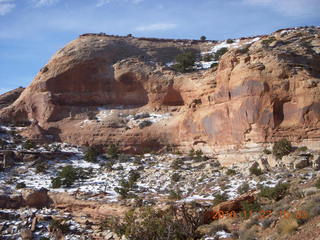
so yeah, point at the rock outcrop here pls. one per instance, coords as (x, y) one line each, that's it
(8, 98)
(260, 92)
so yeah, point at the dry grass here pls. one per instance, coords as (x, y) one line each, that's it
(287, 225)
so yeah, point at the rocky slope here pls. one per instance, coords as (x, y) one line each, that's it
(95, 89)
(8, 98)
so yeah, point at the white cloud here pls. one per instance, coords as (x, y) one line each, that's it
(156, 27)
(45, 3)
(289, 7)
(101, 3)
(6, 7)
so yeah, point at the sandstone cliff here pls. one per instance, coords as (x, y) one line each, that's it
(94, 90)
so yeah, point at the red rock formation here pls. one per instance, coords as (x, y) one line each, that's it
(257, 94)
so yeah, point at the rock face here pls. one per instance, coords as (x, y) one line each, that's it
(257, 94)
(8, 98)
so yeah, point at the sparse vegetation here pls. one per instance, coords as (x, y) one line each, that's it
(28, 145)
(255, 171)
(231, 172)
(207, 57)
(287, 225)
(20, 185)
(317, 185)
(302, 149)
(150, 224)
(219, 198)
(213, 65)
(127, 186)
(91, 155)
(249, 207)
(229, 41)
(113, 151)
(175, 194)
(184, 61)
(219, 53)
(59, 225)
(203, 38)
(175, 177)
(268, 40)
(177, 163)
(281, 148)
(68, 175)
(243, 188)
(275, 193)
(266, 151)
(41, 168)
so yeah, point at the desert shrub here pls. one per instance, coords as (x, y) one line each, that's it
(175, 194)
(20, 185)
(58, 225)
(268, 40)
(317, 184)
(113, 151)
(203, 38)
(219, 198)
(255, 171)
(191, 153)
(68, 175)
(184, 61)
(91, 155)
(267, 222)
(281, 148)
(243, 49)
(230, 41)
(247, 234)
(213, 65)
(177, 163)
(175, 177)
(145, 123)
(41, 168)
(266, 151)
(219, 53)
(207, 58)
(109, 164)
(197, 155)
(231, 172)
(243, 188)
(28, 145)
(249, 208)
(44, 238)
(302, 149)
(287, 225)
(56, 182)
(155, 224)
(127, 186)
(275, 193)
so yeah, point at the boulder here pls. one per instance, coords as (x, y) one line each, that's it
(14, 201)
(234, 205)
(301, 162)
(26, 234)
(36, 198)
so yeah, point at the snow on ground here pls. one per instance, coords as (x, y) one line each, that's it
(131, 120)
(224, 44)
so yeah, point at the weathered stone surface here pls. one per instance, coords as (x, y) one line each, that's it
(11, 201)
(36, 198)
(9, 97)
(265, 94)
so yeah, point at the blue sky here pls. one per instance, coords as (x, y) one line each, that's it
(32, 30)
